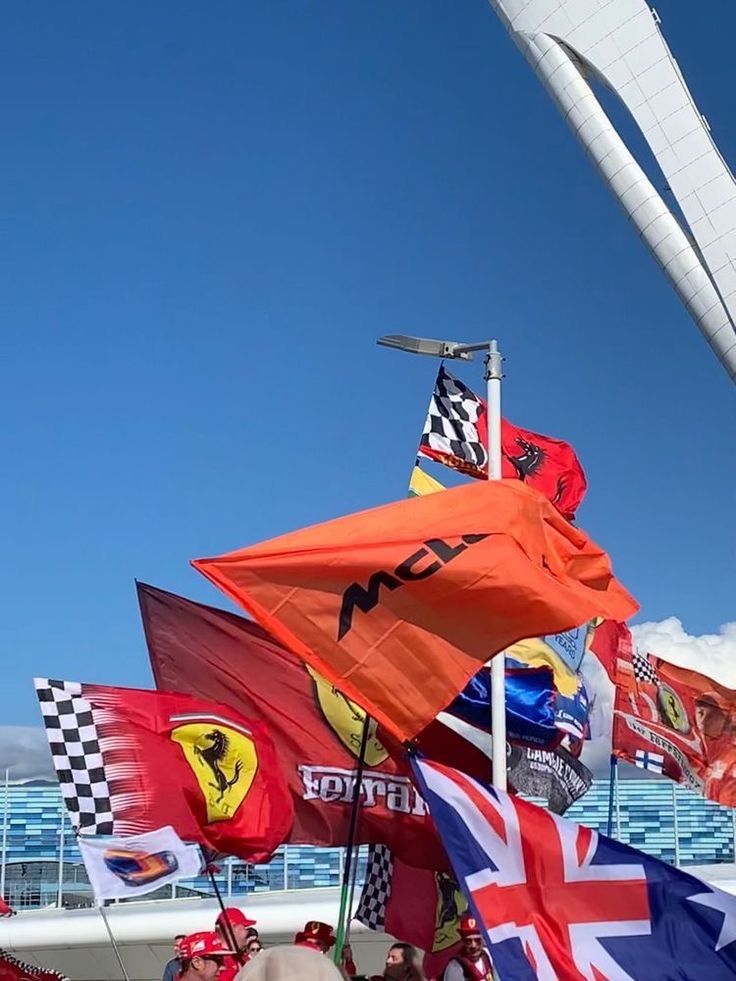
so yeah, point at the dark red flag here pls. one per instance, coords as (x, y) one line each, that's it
(130, 761)
(317, 731)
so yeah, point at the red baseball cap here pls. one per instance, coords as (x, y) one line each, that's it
(205, 944)
(315, 934)
(468, 926)
(236, 916)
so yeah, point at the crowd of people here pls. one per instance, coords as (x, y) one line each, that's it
(234, 950)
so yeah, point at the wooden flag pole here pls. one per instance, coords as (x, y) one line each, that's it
(352, 829)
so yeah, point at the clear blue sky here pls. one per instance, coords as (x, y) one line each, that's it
(209, 214)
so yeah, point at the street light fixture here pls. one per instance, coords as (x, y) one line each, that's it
(492, 375)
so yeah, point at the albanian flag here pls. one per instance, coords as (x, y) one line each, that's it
(131, 761)
(399, 606)
(223, 657)
(456, 434)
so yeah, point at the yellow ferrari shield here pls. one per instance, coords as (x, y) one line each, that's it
(451, 905)
(345, 718)
(224, 761)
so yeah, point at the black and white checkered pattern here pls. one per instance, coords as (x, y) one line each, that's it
(377, 888)
(644, 670)
(452, 422)
(75, 748)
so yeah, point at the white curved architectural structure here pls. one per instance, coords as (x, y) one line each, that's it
(570, 43)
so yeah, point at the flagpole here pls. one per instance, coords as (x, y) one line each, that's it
(352, 828)
(493, 376)
(611, 781)
(675, 825)
(226, 919)
(5, 835)
(112, 941)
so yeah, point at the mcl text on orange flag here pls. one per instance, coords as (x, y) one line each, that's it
(399, 605)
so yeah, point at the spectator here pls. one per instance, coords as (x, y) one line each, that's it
(317, 935)
(173, 967)
(473, 962)
(253, 947)
(243, 931)
(297, 963)
(402, 964)
(202, 956)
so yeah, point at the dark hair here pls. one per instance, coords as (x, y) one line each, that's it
(409, 956)
(180, 936)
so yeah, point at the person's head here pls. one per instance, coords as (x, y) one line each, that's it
(470, 936)
(177, 940)
(289, 964)
(241, 925)
(710, 716)
(202, 956)
(317, 935)
(401, 963)
(253, 946)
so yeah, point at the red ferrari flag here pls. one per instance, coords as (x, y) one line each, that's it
(131, 761)
(456, 434)
(11, 969)
(398, 606)
(221, 656)
(676, 722)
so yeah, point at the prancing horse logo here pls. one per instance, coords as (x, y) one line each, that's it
(222, 757)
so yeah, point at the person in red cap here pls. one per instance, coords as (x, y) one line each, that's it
(243, 931)
(713, 720)
(473, 962)
(321, 936)
(202, 956)
(318, 935)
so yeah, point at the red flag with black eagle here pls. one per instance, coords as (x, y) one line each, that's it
(197, 648)
(130, 761)
(456, 434)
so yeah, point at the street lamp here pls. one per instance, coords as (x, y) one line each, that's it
(492, 376)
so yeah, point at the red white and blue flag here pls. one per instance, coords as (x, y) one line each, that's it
(559, 902)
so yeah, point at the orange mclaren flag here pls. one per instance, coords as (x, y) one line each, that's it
(399, 605)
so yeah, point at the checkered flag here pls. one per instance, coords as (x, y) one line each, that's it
(644, 670)
(451, 432)
(371, 910)
(75, 749)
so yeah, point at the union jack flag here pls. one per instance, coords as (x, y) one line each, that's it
(559, 902)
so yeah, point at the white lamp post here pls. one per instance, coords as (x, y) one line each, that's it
(492, 376)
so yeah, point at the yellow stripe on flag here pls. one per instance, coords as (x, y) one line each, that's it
(421, 483)
(537, 654)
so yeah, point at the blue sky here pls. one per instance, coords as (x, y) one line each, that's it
(209, 216)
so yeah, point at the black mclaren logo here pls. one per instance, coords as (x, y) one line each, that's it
(412, 569)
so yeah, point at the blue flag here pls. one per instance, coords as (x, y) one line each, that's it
(555, 900)
(530, 706)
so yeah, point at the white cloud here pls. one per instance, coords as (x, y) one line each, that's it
(24, 751)
(713, 655)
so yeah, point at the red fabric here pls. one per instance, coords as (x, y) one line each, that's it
(5, 910)
(424, 909)
(549, 465)
(196, 648)
(163, 763)
(11, 969)
(400, 606)
(611, 641)
(660, 718)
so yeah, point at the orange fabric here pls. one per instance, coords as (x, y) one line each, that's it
(398, 611)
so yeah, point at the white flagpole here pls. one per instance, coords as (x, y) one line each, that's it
(60, 882)
(5, 834)
(112, 941)
(493, 378)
